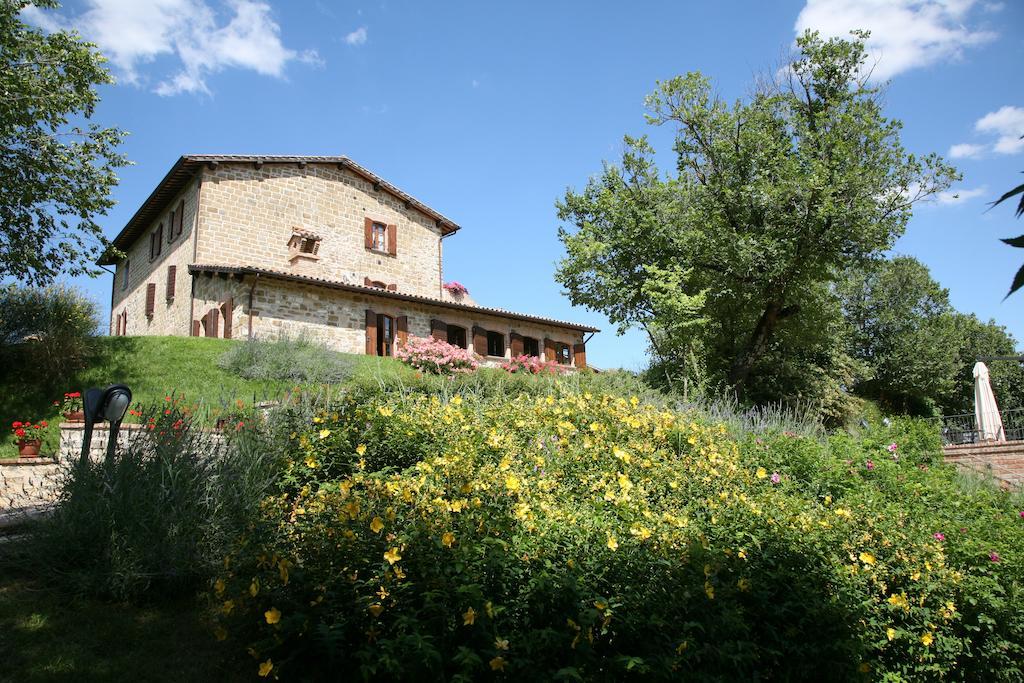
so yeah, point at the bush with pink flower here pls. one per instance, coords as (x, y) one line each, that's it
(532, 365)
(436, 357)
(456, 288)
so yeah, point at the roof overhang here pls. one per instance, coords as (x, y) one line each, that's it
(186, 168)
(242, 271)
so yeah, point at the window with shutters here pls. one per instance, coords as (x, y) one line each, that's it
(156, 242)
(380, 237)
(150, 300)
(170, 226)
(457, 336)
(385, 335)
(495, 344)
(124, 274)
(563, 354)
(531, 347)
(172, 272)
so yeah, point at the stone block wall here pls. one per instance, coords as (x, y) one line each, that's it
(170, 316)
(247, 216)
(1003, 460)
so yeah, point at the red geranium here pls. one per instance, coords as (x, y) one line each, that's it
(21, 428)
(72, 402)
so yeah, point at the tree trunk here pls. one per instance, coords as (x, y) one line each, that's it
(763, 331)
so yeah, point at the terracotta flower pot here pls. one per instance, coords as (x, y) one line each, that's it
(29, 448)
(76, 416)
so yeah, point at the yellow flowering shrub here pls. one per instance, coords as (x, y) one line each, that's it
(595, 536)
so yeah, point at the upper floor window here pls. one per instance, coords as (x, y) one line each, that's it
(156, 242)
(495, 344)
(380, 237)
(124, 274)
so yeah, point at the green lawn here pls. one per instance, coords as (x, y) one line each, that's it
(47, 636)
(155, 367)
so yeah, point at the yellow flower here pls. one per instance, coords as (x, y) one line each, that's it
(469, 617)
(228, 606)
(382, 593)
(392, 556)
(681, 648)
(457, 400)
(890, 633)
(311, 462)
(498, 664)
(385, 411)
(641, 532)
(376, 525)
(500, 644)
(710, 590)
(743, 585)
(265, 668)
(352, 508)
(612, 543)
(927, 639)
(621, 455)
(254, 587)
(448, 539)
(219, 586)
(512, 482)
(761, 473)
(282, 567)
(361, 450)
(867, 558)
(324, 433)
(273, 615)
(376, 609)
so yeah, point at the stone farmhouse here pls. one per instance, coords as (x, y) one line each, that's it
(239, 246)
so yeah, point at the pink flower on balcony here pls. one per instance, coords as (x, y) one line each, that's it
(456, 288)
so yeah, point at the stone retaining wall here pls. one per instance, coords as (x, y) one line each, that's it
(1003, 460)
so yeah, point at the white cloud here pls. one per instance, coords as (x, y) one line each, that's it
(905, 34)
(134, 33)
(966, 151)
(1008, 124)
(357, 37)
(959, 196)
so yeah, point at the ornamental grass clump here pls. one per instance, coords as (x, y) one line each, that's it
(592, 537)
(436, 357)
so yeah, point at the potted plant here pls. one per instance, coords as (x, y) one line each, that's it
(71, 407)
(456, 289)
(29, 437)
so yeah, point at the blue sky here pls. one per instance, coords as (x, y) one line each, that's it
(489, 111)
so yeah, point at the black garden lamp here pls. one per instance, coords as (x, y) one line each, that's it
(100, 405)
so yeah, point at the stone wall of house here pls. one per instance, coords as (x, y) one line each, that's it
(171, 316)
(1003, 460)
(247, 216)
(338, 319)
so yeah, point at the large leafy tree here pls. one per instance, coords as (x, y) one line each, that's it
(56, 167)
(979, 339)
(904, 329)
(772, 199)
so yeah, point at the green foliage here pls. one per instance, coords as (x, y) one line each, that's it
(151, 521)
(298, 360)
(977, 339)
(589, 536)
(904, 329)
(56, 175)
(773, 198)
(46, 335)
(1018, 279)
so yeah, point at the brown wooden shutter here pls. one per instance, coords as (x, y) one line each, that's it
(367, 282)
(170, 226)
(152, 253)
(368, 229)
(371, 333)
(181, 218)
(172, 272)
(197, 328)
(393, 287)
(228, 307)
(479, 340)
(549, 349)
(439, 330)
(124, 322)
(402, 325)
(150, 299)
(516, 342)
(117, 326)
(211, 322)
(579, 352)
(392, 239)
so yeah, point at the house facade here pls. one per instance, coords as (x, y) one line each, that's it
(237, 246)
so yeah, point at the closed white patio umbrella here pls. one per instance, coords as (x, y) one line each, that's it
(986, 412)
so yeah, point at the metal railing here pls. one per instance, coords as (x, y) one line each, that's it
(963, 429)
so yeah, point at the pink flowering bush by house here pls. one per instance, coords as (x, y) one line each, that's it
(532, 365)
(436, 357)
(456, 288)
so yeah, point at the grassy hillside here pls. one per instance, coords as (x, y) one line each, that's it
(155, 367)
